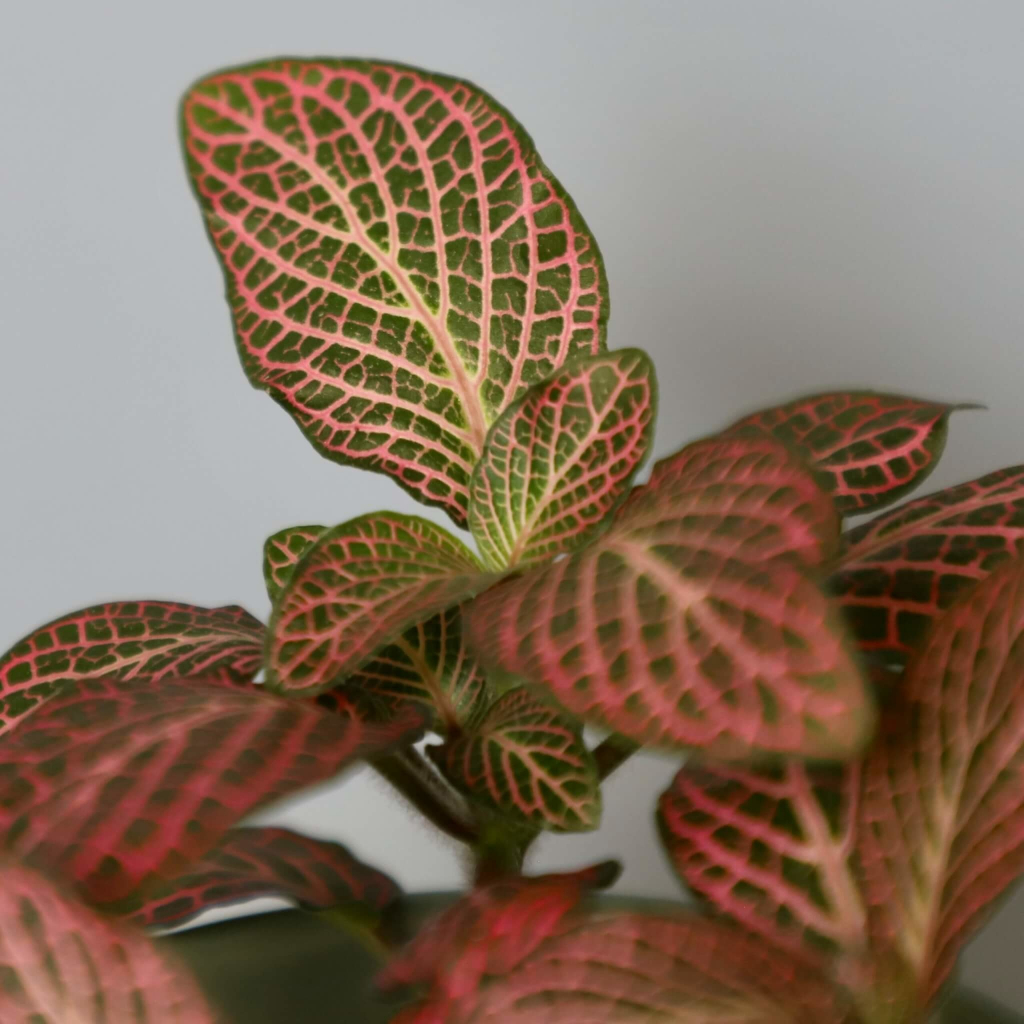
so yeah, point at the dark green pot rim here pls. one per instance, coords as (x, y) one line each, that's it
(291, 967)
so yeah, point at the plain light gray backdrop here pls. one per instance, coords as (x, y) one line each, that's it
(790, 196)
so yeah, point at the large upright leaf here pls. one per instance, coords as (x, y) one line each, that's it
(61, 963)
(691, 622)
(771, 847)
(130, 640)
(362, 585)
(257, 862)
(561, 458)
(120, 785)
(637, 969)
(942, 813)
(429, 664)
(897, 572)
(870, 449)
(282, 552)
(524, 759)
(400, 263)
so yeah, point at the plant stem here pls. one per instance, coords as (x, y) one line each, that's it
(611, 752)
(420, 783)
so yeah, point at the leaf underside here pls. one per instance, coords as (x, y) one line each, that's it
(942, 811)
(129, 640)
(691, 622)
(400, 263)
(524, 759)
(61, 962)
(897, 572)
(634, 969)
(559, 460)
(120, 785)
(870, 449)
(770, 847)
(257, 862)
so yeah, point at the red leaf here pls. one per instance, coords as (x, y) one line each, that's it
(690, 622)
(255, 862)
(282, 552)
(870, 449)
(900, 570)
(60, 962)
(122, 784)
(400, 263)
(942, 819)
(634, 969)
(128, 640)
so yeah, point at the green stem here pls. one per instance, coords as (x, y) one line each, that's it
(421, 784)
(612, 752)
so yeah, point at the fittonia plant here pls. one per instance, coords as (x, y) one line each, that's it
(409, 281)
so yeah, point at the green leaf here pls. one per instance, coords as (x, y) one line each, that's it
(430, 665)
(361, 586)
(692, 623)
(558, 461)
(897, 572)
(400, 263)
(281, 553)
(870, 449)
(128, 640)
(119, 785)
(524, 759)
(249, 863)
(61, 963)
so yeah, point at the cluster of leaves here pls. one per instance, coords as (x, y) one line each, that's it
(417, 290)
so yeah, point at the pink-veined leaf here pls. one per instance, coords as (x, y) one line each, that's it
(771, 847)
(431, 665)
(941, 832)
(281, 553)
(400, 263)
(691, 622)
(897, 572)
(130, 640)
(255, 862)
(558, 461)
(636, 969)
(870, 449)
(491, 929)
(524, 759)
(120, 785)
(61, 963)
(362, 585)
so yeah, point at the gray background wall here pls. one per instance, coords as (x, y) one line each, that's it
(790, 196)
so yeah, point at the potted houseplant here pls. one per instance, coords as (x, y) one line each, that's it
(409, 281)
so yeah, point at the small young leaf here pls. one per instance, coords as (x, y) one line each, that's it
(361, 586)
(429, 664)
(129, 640)
(636, 969)
(561, 458)
(870, 449)
(691, 623)
(526, 760)
(61, 963)
(120, 785)
(771, 848)
(253, 862)
(897, 572)
(281, 553)
(941, 831)
(491, 929)
(400, 263)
